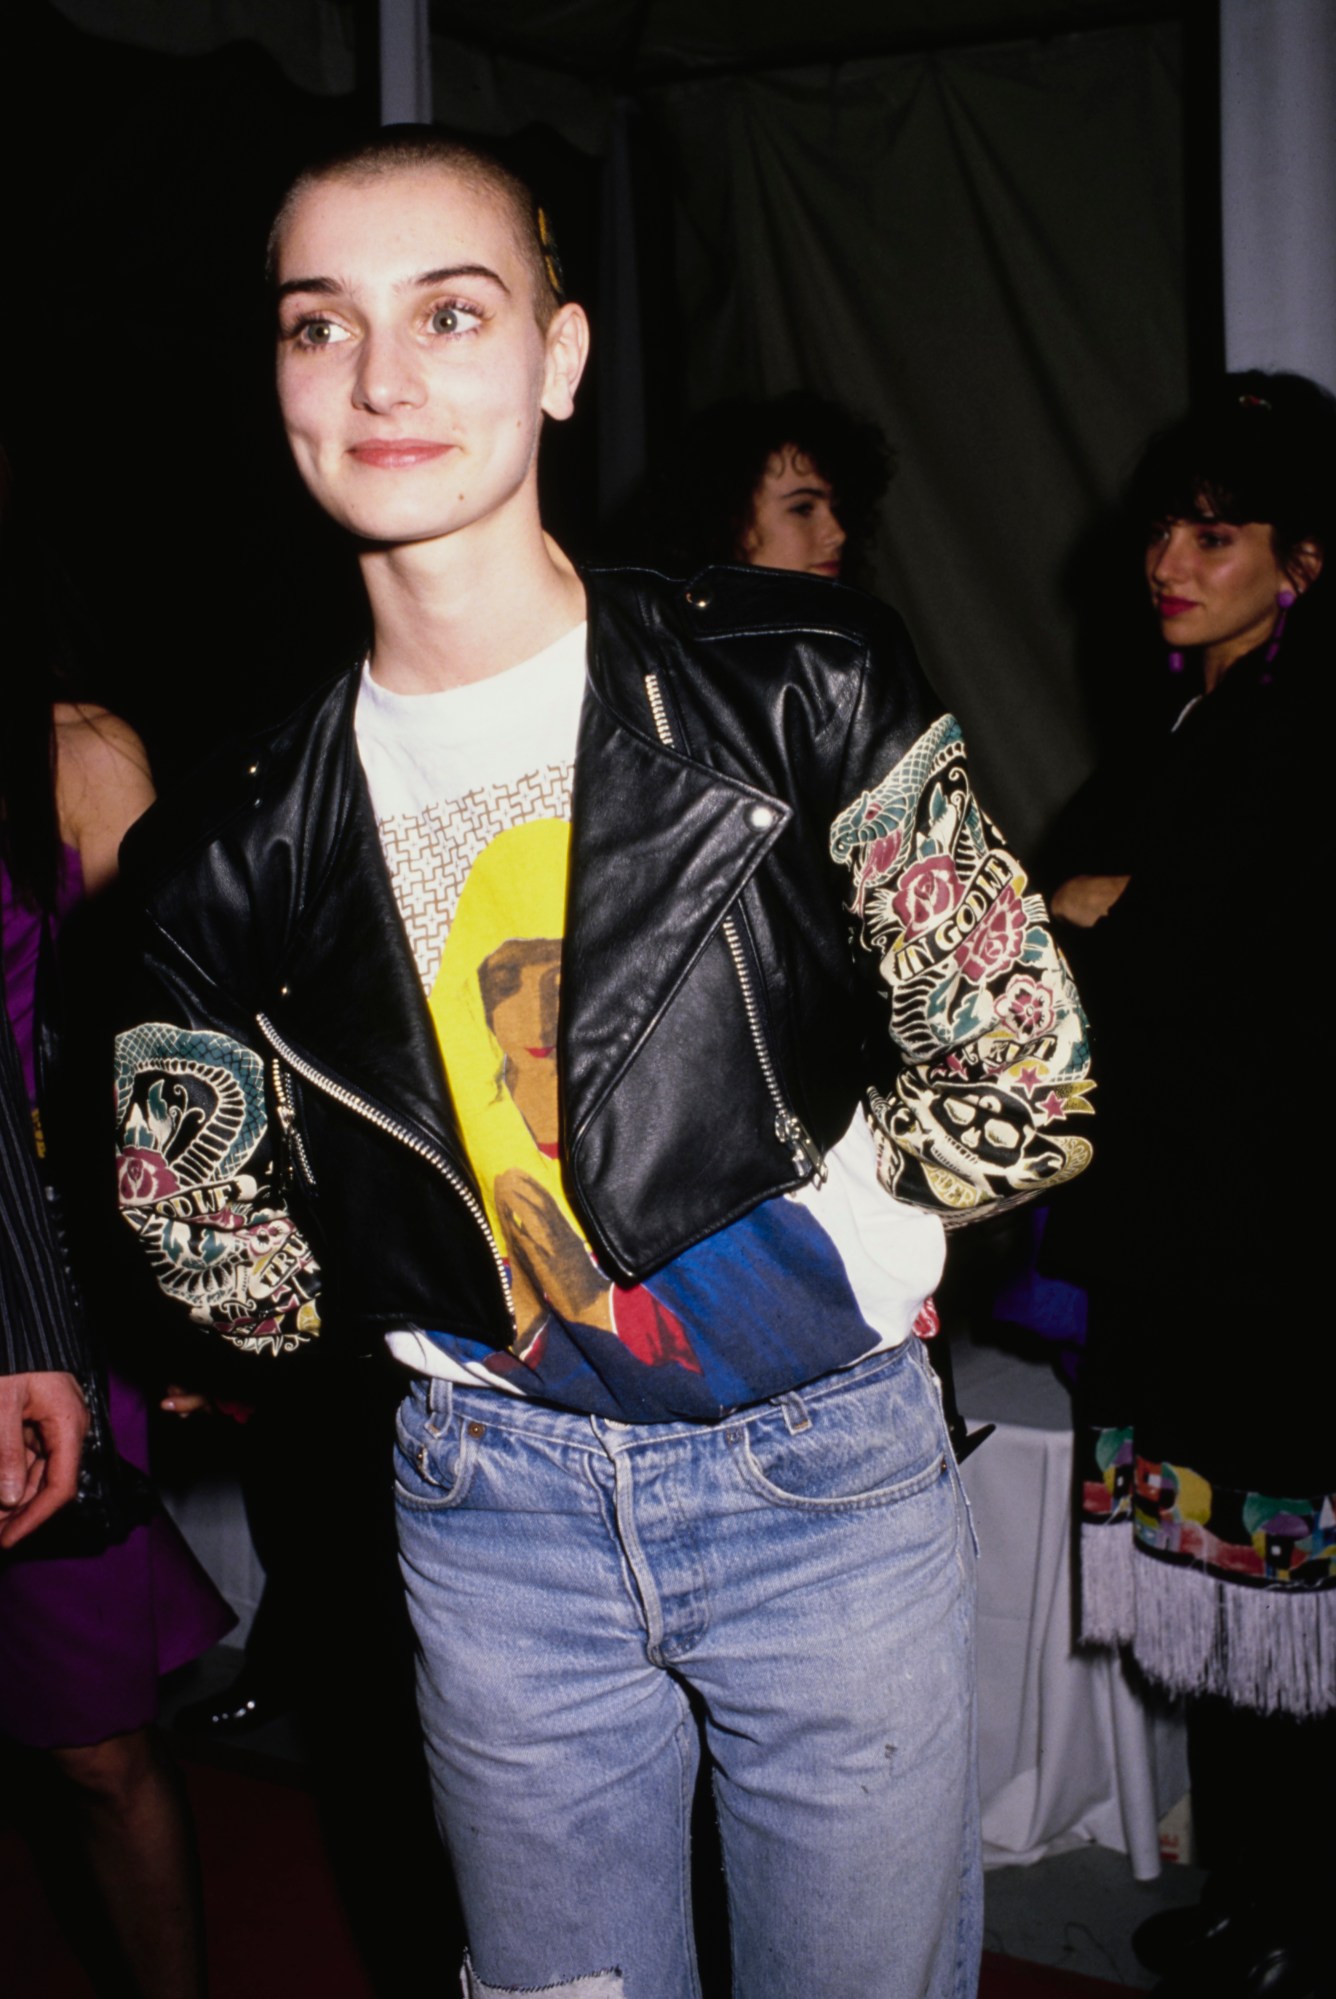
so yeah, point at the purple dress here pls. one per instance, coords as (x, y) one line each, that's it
(85, 1639)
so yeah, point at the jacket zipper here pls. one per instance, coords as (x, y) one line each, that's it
(382, 1120)
(293, 1141)
(789, 1129)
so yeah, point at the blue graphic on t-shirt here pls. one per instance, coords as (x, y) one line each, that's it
(755, 1309)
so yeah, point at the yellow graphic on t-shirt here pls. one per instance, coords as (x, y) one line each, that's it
(495, 1004)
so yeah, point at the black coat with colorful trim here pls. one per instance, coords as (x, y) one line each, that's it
(784, 903)
(1207, 1457)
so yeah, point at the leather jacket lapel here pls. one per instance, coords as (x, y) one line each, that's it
(350, 998)
(661, 848)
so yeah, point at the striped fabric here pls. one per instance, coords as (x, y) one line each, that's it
(37, 1325)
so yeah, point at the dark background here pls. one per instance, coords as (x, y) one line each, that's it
(137, 409)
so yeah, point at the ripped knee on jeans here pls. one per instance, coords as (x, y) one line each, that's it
(592, 1985)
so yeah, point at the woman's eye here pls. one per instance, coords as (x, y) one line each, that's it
(455, 319)
(803, 507)
(318, 333)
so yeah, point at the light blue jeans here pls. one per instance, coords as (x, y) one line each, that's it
(806, 1568)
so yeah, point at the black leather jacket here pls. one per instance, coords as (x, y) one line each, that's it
(720, 1021)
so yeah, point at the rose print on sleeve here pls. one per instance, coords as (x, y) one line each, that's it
(927, 891)
(1026, 1006)
(143, 1175)
(996, 944)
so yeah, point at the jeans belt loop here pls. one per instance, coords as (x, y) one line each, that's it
(796, 1418)
(440, 1400)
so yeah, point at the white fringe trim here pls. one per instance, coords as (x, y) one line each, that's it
(1108, 1590)
(1270, 1649)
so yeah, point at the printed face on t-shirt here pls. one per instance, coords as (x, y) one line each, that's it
(521, 990)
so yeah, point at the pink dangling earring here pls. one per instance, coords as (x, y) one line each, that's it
(1175, 662)
(1284, 600)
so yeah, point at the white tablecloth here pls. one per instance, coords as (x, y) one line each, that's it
(1069, 1749)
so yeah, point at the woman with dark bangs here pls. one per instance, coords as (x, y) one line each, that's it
(788, 483)
(1208, 1447)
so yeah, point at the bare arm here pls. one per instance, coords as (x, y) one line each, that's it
(102, 786)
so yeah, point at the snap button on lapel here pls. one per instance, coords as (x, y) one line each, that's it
(761, 817)
(699, 600)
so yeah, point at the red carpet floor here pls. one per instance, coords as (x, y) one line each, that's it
(276, 1927)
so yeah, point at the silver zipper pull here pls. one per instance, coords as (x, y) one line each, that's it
(806, 1153)
(295, 1164)
(286, 1121)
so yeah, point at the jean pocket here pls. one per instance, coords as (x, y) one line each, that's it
(433, 1469)
(867, 1445)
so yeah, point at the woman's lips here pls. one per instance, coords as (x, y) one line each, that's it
(1173, 607)
(392, 454)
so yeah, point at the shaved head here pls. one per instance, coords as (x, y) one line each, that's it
(415, 148)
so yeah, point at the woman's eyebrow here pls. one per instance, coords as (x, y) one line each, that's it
(325, 287)
(332, 287)
(449, 271)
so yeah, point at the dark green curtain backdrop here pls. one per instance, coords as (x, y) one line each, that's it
(981, 249)
(980, 246)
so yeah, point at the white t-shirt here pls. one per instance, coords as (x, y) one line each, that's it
(471, 791)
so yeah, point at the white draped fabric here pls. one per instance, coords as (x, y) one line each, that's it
(1278, 184)
(210, 1513)
(1069, 1750)
(405, 62)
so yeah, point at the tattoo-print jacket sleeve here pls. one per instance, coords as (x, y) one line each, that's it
(201, 1169)
(993, 1081)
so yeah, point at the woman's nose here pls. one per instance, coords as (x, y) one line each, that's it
(1167, 556)
(389, 374)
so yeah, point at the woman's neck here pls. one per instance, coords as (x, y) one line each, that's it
(1216, 660)
(462, 608)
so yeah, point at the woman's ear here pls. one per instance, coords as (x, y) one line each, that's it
(1304, 566)
(567, 345)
